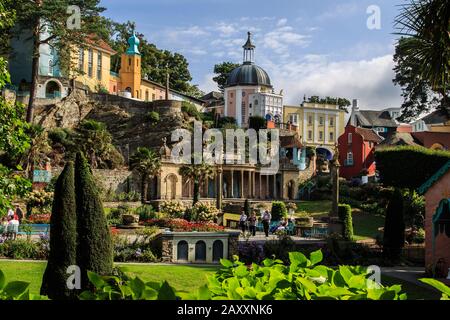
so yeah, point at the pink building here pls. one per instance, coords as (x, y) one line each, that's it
(437, 221)
(249, 92)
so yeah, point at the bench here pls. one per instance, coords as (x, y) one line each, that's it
(36, 229)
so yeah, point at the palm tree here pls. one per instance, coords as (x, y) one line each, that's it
(148, 165)
(425, 29)
(197, 173)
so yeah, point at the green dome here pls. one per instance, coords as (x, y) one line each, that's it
(133, 42)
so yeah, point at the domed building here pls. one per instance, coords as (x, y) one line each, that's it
(249, 91)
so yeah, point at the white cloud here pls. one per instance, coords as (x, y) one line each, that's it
(207, 84)
(367, 80)
(282, 39)
(340, 10)
(282, 22)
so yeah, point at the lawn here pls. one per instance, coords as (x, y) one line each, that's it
(182, 278)
(365, 226)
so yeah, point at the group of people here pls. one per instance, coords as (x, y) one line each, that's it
(251, 222)
(10, 223)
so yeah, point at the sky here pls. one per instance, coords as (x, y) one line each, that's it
(308, 47)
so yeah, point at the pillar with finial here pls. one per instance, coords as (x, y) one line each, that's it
(167, 83)
(335, 181)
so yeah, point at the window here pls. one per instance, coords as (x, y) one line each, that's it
(320, 135)
(146, 95)
(321, 121)
(256, 102)
(293, 118)
(310, 120)
(349, 161)
(81, 60)
(350, 138)
(50, 67)
(331, 122)
(129, 62)
(331, 136)
(310, 135)
(231, 94)
(99, 66)
(243, 112)
(243, 93)
(90, 62)
(114, 89)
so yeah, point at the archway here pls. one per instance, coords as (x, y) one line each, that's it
(217, 250)
(437, 146)
(52, 90)
(182, 251)
(325, 153)
(171, 187)
(200, 251)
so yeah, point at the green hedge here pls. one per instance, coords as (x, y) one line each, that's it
(409, 167)
(279, 211)
(345, 215)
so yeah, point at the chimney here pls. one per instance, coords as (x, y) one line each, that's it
(355, 105)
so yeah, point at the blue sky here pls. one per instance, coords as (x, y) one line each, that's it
(312, 47)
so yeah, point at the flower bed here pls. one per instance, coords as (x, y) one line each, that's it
(39, 219)
(180, 225)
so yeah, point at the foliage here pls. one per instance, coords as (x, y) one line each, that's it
(303, 279)
(174, 209)
(94, 246)
(63, 237)
(12, 185)
(345, 215)
(247, 208)
(40, 200)
(413, 209)
(145, 212)
(396, 164)
(221, 72)
(251, 252)
(257, 123)
(197, 173)
(38, 219)
(394, 229)
(341, 102)
(121, 287)
(181, 225)
(21, 249)
(204, 212)
(279, 248)
(422, 56)
(227, 122)
(16, 290)
(153, 117)
(138, 250)
(191, 110)
(439, 286)
(279, 211)
(147, 164)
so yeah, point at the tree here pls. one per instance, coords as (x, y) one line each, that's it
(7, 18)
(39, 15)
(345, 215)
(423, 56)
(148, 165)
(222, 71)
(257, 123)
(63, 237)
(94, 246)
(343, 103)
(197, 174)
(394, 228)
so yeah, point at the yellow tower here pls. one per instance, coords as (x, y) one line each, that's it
(130, 70)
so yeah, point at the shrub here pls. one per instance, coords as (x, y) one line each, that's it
(40, 200)
(204, 212)
(63, 241)
(226, 121)
(191, 110)
(413, 209)
(20, 249)
(257, 123)
(174, 209)
(94, 246)
(345, 215)
(58, 135)
(145, 212)
(250, 252)
(279, 211)
(279, 248)
(153, 117)
(394, 228)
(397, 164)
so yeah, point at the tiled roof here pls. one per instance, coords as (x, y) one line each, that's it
(100, 43)
(369, 135)
(399, 139)
(290, 142)
(436, 117)
(371, 118)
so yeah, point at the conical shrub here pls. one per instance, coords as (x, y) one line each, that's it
(94, 247)
(63, 237)
(394, 228)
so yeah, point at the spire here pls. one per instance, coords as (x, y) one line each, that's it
(249, 50)
(133, 43)
(167, 84)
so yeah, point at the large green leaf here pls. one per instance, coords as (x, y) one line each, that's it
(16, 288)
(316, 257)
(2, 280)
(298, 259)
(437, 285)
(167, 292)
(96, 280)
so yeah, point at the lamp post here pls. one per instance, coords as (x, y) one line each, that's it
(335, 165)
(219, 186)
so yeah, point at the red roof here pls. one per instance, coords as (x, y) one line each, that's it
(369, 135)
(100, 43)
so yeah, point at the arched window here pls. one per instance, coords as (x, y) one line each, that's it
(200, 251)
(147, 95)
(182, 251)
(217, 250)
(50, 67)
(350, 158)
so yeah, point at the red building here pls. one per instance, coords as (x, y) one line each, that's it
(356, 151)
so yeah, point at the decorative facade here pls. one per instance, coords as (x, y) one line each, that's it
(249, 92)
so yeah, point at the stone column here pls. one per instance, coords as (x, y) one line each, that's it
(242, 184)
(219, 186)
(275, 187)
(254, 184)
(266, 193)
(232, 184)
(260, 186)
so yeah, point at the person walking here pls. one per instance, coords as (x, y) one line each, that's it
(19, 213)
(252, 224)
(243, 222)
(10, 212)
(266, 222)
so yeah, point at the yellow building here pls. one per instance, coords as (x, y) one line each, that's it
(318, 125)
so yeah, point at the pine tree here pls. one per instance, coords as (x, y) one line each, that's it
(394, 229)
(63, 240)
(94, 247)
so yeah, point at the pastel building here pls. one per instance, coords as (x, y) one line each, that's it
(249, 92)
(318, 125)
